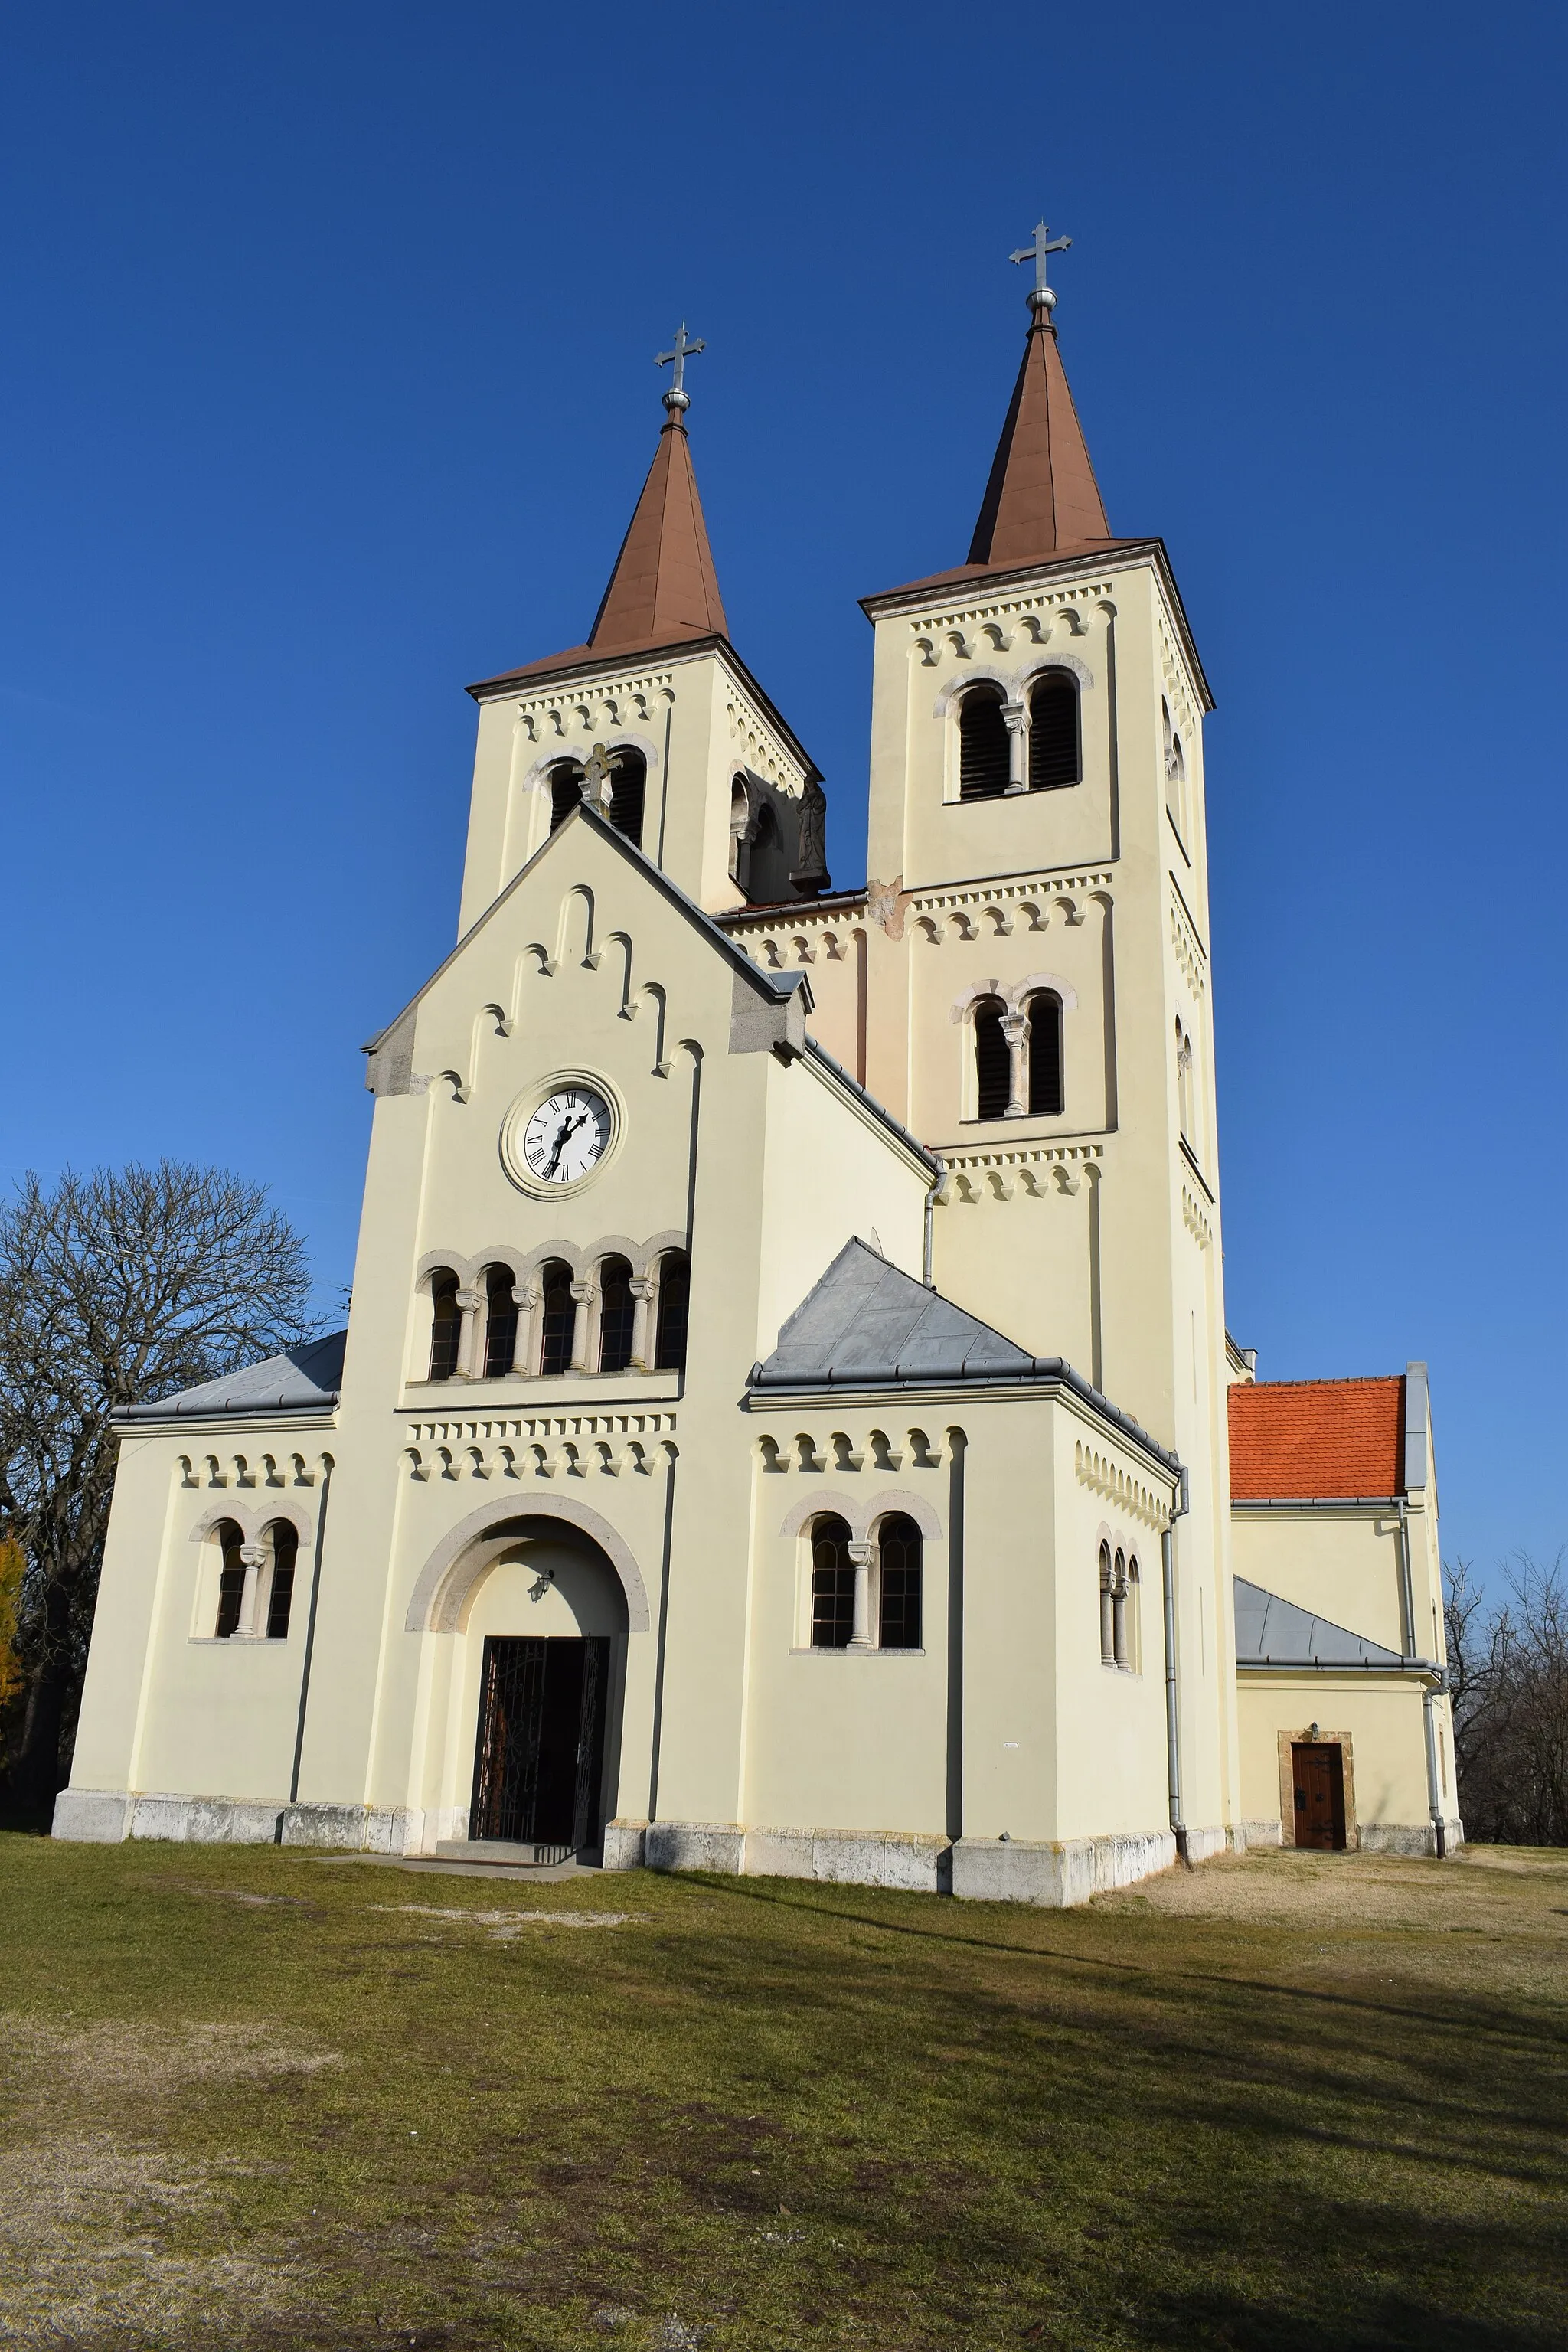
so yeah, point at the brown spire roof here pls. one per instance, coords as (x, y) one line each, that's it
(664, 586)
(1042, 497)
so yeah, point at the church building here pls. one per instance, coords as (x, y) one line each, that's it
(786, 1422)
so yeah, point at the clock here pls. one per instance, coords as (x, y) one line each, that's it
(564, 1137)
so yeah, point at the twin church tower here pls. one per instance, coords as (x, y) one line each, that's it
(782, 1425)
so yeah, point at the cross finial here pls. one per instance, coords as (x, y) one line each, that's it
(1042, 297)
(677, 398)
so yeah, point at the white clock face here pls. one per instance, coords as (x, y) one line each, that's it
(567, 1135)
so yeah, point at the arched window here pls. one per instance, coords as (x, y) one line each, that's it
(1175, 764)
(1044, 1009)
(501, 1322)
(1125, 1630)
(1107, 1609)
(617, 1310)
(629, 789)
(1055, 753)
(832, 1584)
(899, 1550)
(446, 1326)
(984, 762)
(739, 823)
(566, 791)
(1119, 1611)
(993, 1060)
(283, 1543)
(557, 1316)
(1184, 1081)
(674, 1303)
(231, 1579)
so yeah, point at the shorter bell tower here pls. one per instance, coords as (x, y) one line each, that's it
(655, 716)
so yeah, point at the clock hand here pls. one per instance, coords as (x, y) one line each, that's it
(563, 1134)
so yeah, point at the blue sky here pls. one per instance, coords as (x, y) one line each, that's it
(328, 387)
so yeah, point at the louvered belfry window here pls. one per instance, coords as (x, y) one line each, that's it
(566, 792)
(1046, 1054)
(982, 758)
(1054, 752)
(993, 1061)
(629, 786)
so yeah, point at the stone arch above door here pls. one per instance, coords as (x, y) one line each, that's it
(466, 1554)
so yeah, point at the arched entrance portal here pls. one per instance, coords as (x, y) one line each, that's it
(544, 1611)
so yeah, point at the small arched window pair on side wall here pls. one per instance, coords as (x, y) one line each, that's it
(1118, 1605)
(256, 1582)
(1019, 1068)
(888, 1604)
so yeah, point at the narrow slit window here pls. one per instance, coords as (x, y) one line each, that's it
(566, 792)
(898, 1551)
(501, 1323)
(983, 758)
(993, 1060)
(231, 1579)
(616, 1311)
(629, 789)
(557, 1318)
(285, 1544)
(446, 1326)
(1055, 754)
(1107, 1610)
(674, 1309)
(832, 1585)
(1046, 1100)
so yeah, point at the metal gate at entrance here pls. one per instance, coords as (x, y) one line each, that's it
(540, 1757)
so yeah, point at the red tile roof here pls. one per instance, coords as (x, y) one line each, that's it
(1294, 1439)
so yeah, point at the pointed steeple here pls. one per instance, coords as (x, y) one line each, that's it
(1042, 496)
(664, 586)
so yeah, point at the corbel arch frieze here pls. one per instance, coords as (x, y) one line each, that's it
(466, 1551)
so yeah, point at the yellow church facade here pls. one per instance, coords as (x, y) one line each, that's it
(784, 1420)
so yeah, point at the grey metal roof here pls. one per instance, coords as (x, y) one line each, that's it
(1274, 1633)
(866, 1324)
(306, 1380)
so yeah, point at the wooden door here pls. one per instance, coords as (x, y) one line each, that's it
(1318, 1771)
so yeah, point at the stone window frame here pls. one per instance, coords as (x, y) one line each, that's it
(863, 1518)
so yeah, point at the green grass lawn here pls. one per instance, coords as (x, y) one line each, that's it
(264, 2098)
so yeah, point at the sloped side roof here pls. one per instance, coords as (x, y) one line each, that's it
(869, 1322)
(1294, 1439)
(308, 1379)
(1272, 1632)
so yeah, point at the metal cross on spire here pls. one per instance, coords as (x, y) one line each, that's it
(1042, 243)
(678, 397)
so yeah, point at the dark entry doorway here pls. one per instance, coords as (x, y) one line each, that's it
(1318, 1770)
(541, 1752)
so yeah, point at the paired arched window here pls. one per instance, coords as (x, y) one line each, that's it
(628, 792)
(557, 1316)
(985, 760)
(566, 791)
(1176, 767)
(889, 1607)
(446, 1326)
(1184, 1106)
(673, 1311)
(739, 825)
(617, 1315)
(1055, 754)
(256, 1582)
(1035, 1082)
(1117, 1601)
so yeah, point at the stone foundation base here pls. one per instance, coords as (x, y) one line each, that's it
(852, 1858)
(105, 1817)
(1409, 1837)
(1018, 1870)
(1241, 1835)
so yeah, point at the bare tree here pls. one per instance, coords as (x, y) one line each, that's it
(116, 1288)
(1509, 1671)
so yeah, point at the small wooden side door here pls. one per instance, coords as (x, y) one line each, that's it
(1317, 1774)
